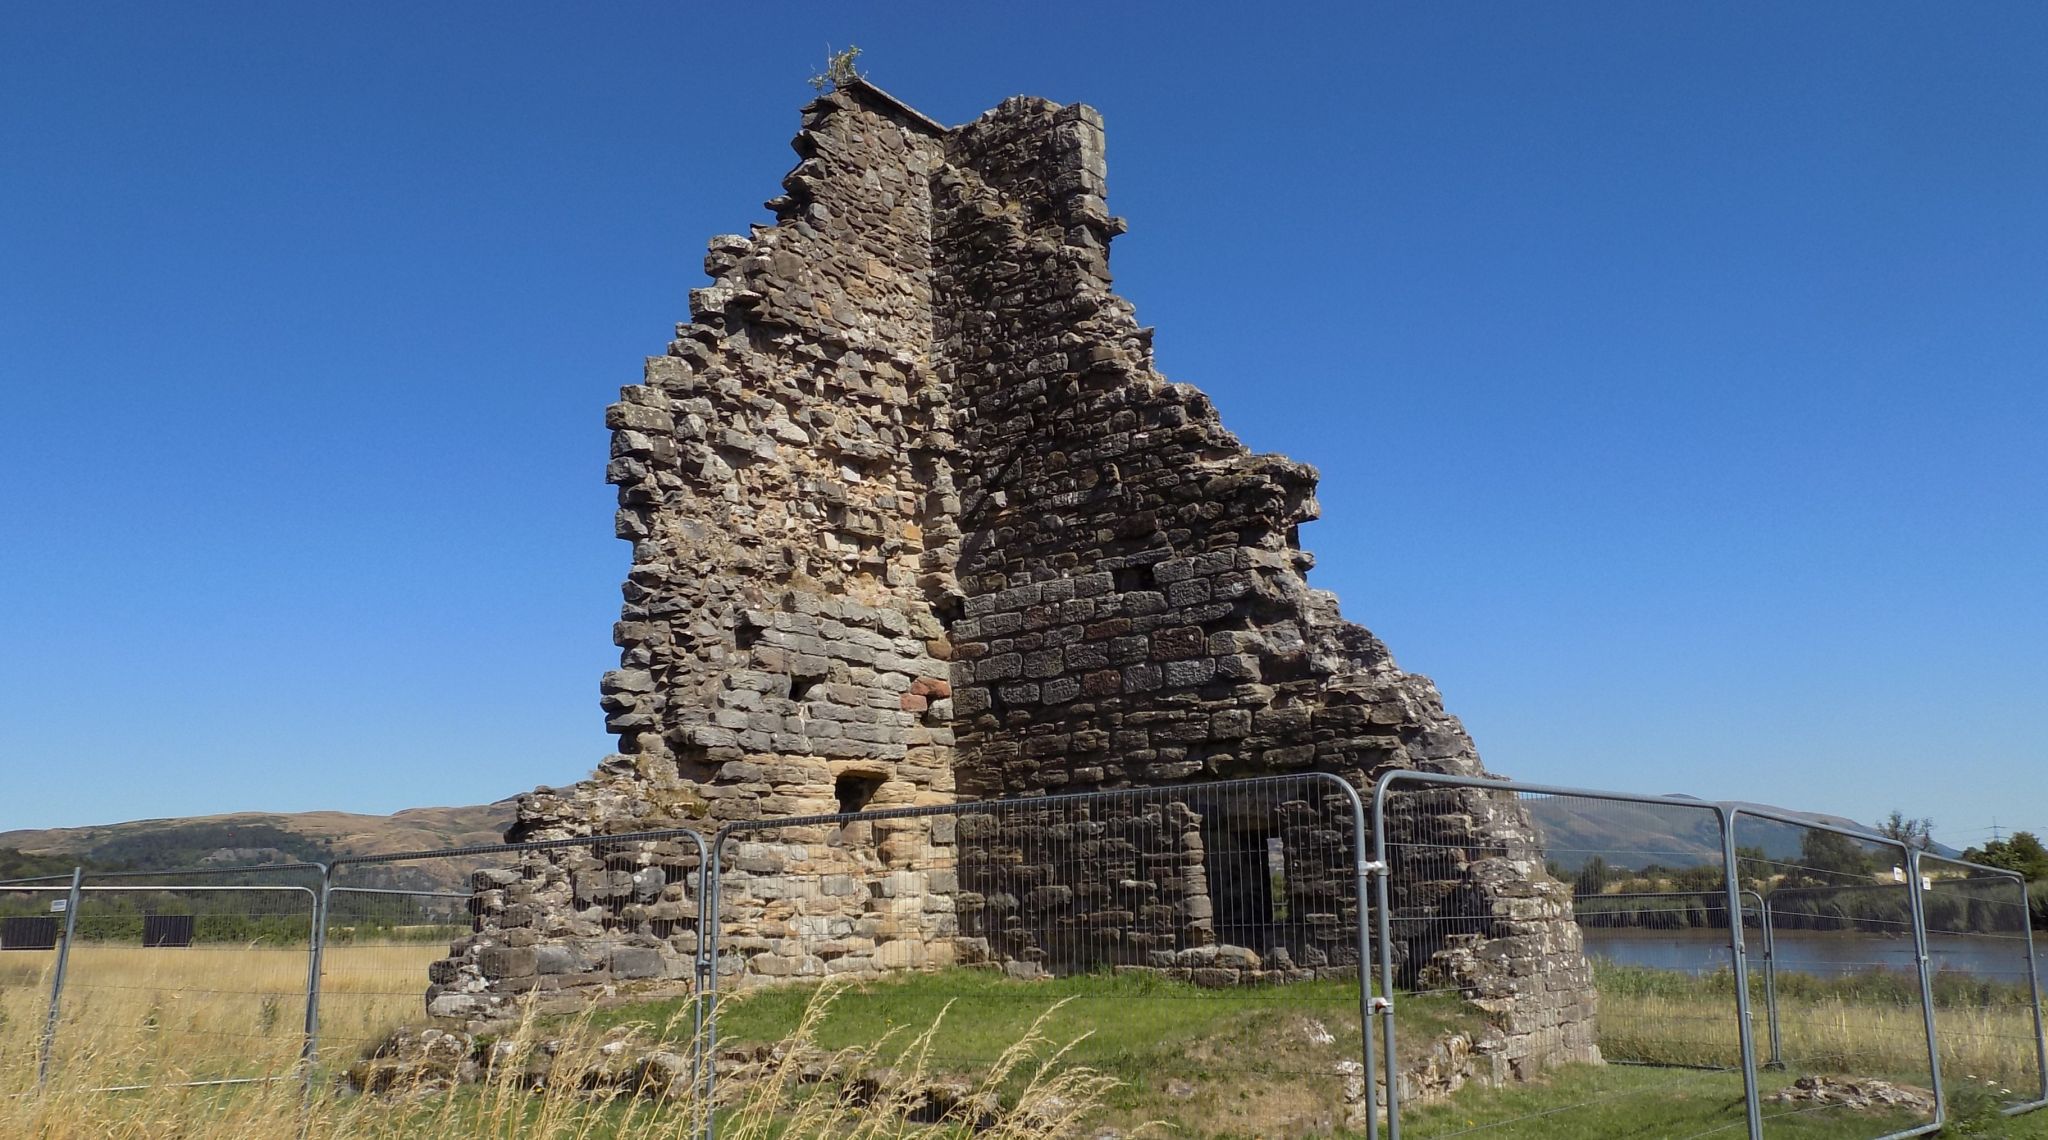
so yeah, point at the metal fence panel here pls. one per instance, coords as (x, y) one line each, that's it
(31, 932)
(543, 935)
(1478, 870)
(1209, 939)
(1843, 1001)
(1985, 983)
(378, 946)
(1202, 943)
(220, 1000)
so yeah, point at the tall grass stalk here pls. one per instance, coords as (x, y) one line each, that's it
(1860, 1025)
(554, 1081)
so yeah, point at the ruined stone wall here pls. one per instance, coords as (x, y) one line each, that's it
(784, 477)
(914, 517)
(1137, 609)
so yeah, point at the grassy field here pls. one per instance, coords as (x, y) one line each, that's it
(1862, 1024)
(552, 1080)
(206, 1012)
(1264, 1061)
(1232, 1063)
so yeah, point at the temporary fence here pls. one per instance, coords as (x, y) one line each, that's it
(1689, 933)
(1751, 969)
(1737, 969)
(1847, 997)
(1211, 937)
(377, 946)
(189, 977)
(1477, 902)
(569, 921)
(1986, 983)
(33, 914)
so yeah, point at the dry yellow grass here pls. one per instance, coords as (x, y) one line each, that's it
(369, 990)
(1828, 1035)
(132, 1015)
(782, 1104)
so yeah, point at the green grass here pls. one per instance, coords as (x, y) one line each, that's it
(1952, 988)
(1220, 1064)
(1585, 1101)
(1239, 1061)
(1863, 1025)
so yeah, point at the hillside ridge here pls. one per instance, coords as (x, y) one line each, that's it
(257, 838)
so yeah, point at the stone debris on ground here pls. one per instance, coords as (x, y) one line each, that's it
(1862, 1093)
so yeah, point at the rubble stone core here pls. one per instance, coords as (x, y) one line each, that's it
(915, 521)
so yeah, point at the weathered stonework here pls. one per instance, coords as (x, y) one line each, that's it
(915, 520)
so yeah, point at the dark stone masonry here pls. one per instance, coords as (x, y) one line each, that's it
(915, 521)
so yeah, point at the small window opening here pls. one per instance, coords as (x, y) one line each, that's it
(800, 686)
(855, 789)
(746, 636)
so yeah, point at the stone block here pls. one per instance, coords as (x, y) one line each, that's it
(505, 961)
(457, 1005)
(900, 955)
(1178, 642)
(634, 962)
(558, 960)
(999, 667)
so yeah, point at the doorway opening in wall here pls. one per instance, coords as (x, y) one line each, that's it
(855, 789)
(1240, 864)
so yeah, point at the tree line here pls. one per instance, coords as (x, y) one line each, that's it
(257, 918)
(1834, 882)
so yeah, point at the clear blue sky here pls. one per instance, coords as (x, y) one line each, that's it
(1675, 373)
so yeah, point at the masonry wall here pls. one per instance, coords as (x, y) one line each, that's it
(784, 478)
(915, 518)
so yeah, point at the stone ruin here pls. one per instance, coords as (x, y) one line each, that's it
(914, 522)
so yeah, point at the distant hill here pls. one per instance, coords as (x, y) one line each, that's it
(255, 839)
(1626, 835)
(1683, 834)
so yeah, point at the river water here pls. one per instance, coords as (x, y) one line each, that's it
(1828, 953)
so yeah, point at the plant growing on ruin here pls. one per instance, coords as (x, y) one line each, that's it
(839, 69)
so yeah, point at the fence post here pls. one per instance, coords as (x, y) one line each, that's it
(1365, 870)
(1763, 922)
(706, 981)
(710, 927)
(57, 983)
(1752, 1103)
(1384, 927)
(1917, 908)
(2034, 984)
(315, 967)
